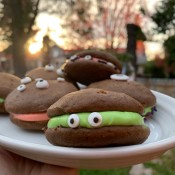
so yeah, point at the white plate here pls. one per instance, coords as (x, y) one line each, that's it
(34, 145)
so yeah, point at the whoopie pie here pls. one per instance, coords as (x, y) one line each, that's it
(96, 118)
(29, 102)
(91, 65)
(8, 83)
(121, 83)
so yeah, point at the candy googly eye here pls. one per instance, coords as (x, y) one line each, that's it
(73, 121)
(88, 57)
(60, 72)
(42, 84)
(119, 77)
(73, 57)
(49, 67)
(95, 119)
(26, 80)
(21, 87)
(60, 79)
(110, 64)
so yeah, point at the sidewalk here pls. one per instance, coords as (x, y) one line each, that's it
(140, 170)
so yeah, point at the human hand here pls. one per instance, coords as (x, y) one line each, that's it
(12, 164)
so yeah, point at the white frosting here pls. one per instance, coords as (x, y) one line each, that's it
(73, 120)
(73, 57)
(49, 68)
(88, 57)
(42, 84)
(119, 77)
(93, 117)
(60, 79)
(26, 80)
(60, 72)
(21, 87)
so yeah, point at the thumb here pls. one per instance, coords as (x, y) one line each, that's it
(47, 169)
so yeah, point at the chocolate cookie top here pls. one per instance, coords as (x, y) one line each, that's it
(131, 88)
(91, 65)
(48, 73)
(8, 83)
(37, 96)
(90, 100)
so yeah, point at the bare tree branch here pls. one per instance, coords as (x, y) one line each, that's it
(35, 12)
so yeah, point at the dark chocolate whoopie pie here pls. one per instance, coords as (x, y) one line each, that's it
(8, 83)
(121, 83)
(47, 73)
(91, 65)
(28, 103)
(96, 118)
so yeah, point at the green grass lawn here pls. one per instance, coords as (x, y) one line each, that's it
(120, 171)
(163, 166)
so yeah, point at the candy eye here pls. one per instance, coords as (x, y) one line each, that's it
(26, 80)
(73, 120)
(95, 119)
(60, 72)
(110, 64)
(41, 84)
(88, 57)
(73, 57)
(60, 79)
(49, 67)
(21, 87)
(119, 77)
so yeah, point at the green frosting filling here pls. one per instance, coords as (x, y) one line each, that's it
(2, 100)
(109, 118)
(146, 110)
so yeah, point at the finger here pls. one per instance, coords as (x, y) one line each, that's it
(47, 169)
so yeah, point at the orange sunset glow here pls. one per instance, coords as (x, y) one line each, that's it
(49, 25)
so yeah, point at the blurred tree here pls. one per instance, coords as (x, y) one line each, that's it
(155, 68)
(98, 23)
(78, 22)
(170, 56)
(46, 50)
(16, 20)
(164, 17)
(112, 20)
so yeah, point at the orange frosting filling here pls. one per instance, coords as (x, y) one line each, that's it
(32, 117)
